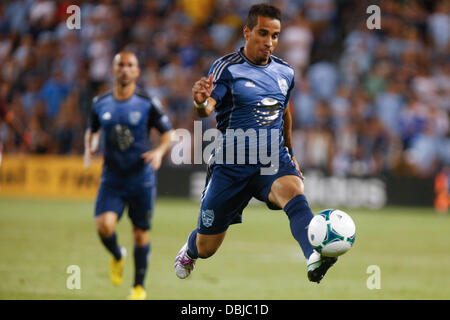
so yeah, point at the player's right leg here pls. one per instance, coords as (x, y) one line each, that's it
(106, 225)
(224, 197)
(198, 246)
(108, 209)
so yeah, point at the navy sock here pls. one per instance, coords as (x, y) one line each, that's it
(192, 250)
(112, 246)
(300, 216)
(141, 255)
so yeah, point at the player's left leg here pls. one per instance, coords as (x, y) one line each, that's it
(140, 199)
(142, 249)
(109, 206)
(287, 192)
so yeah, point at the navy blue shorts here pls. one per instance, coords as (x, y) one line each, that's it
(139, 196)
(229, 188)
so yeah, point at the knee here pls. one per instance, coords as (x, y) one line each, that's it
(140, 237)
(105, 227)
(293, 192)
(284, 189)
(296, 187)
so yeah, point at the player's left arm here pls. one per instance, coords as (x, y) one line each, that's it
(287, 134)
(161, 122)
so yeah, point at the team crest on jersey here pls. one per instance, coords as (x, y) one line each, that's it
(134, 117)
(207, 218)
(282, 83)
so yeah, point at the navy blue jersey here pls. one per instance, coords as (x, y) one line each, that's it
(126, 129)
(251, 96)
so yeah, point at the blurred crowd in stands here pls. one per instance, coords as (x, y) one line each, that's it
(366, 102)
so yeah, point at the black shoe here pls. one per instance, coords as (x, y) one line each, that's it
(318, 273)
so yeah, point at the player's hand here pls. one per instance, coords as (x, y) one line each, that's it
(297, 167)
(91, 147)
(154, 158)
(87, 159)
(202, 89)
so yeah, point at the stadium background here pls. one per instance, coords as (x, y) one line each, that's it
(371, 130)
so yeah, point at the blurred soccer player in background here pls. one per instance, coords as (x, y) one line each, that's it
(125, 115)
(250, 89)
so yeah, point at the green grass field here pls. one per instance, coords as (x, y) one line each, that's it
(259, 259)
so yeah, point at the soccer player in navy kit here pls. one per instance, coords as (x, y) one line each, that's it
(125, 115)
(249, 90)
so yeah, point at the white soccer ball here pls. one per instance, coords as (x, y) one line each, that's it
(331, 232)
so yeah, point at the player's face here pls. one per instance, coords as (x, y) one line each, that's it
(262, 39)
(125, 68)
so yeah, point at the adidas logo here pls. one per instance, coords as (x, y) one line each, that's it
(106, 116)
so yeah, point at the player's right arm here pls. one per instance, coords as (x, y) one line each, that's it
(203, 103)
(91, 138)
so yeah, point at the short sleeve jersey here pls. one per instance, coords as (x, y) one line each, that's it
(126, 128)
(251, 96)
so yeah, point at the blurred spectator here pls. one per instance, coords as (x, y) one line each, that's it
(323, 77)
(296, 40)
(39, 125)
(388, 106)
(54, 91)
(16, 15)
(423, 154)
(304, 103)
(412, 120)
(439, 26)
(68, 131)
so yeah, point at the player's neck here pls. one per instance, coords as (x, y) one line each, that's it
(253, 60)
(124, 92)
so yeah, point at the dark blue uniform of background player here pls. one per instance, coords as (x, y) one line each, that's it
(249, 91)
(125, 115)
(126, 178)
